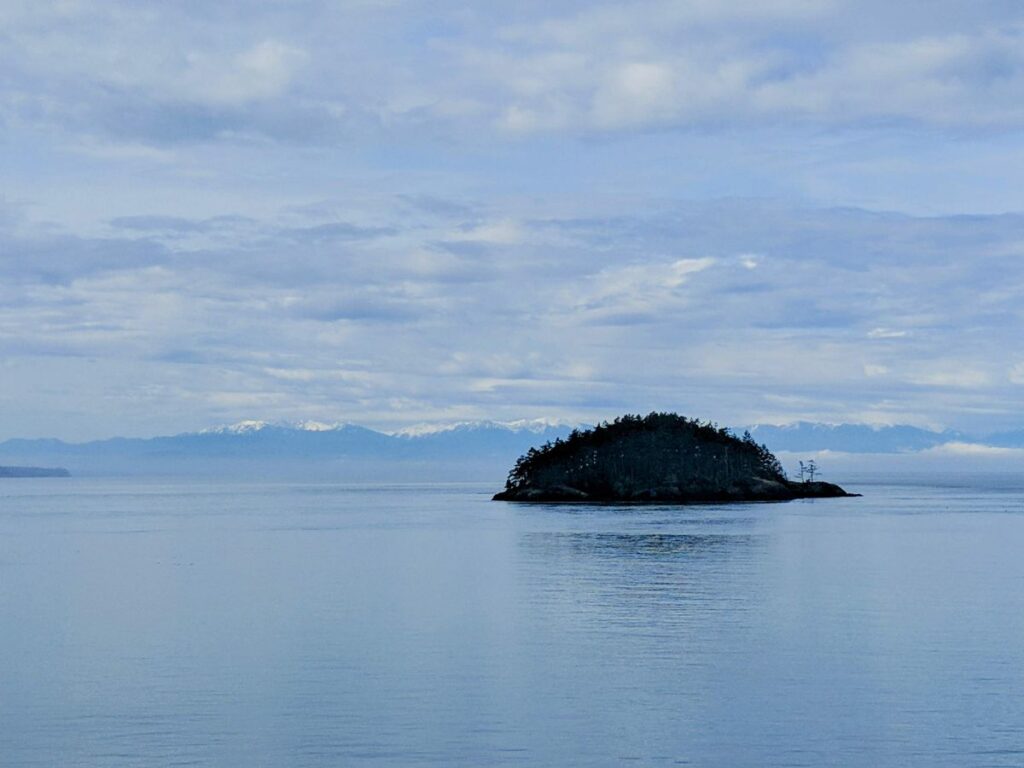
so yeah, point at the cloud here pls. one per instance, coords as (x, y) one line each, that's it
(394, 212)
(335, 231)
(963, 378)
(885, 333)
(504, 232)
(367, 305)
(928, 79)
(511, 210)
(63, 258)
(157, 224)
(556, 314)
(635, 91)
(611, 68)
(260, 72)
(317, 73)
(637, 290)
(961, 449)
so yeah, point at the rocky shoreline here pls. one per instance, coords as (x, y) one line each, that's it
(755, 490)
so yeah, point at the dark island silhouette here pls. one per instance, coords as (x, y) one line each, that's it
(661, 458)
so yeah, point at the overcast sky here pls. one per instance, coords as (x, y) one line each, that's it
(401, 212)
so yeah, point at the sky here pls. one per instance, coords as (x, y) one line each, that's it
(395, 212)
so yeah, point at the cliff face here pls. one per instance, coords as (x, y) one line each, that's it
(663, 458)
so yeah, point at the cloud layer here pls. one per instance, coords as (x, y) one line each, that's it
(183, 71)
(747, 310)
(394, 211)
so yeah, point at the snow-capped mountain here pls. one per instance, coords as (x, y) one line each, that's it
(477, 440)
(533, 426)
(251, 425)
(239, 428)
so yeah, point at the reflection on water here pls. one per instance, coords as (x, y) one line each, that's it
(151, 624)
(634, 545)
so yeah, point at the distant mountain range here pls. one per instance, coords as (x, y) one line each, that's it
(853, 438)
(467, 450)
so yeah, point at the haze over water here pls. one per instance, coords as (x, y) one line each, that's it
(302, 625)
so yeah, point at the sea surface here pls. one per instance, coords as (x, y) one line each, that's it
(175, 624)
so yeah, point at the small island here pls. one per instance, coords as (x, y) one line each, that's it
(660, 458)
(34, 472)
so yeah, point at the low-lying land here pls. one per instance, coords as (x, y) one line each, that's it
(34, 472)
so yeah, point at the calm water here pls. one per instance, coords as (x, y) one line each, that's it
(280, 625)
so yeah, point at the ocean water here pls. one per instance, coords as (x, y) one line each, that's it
(146, 624)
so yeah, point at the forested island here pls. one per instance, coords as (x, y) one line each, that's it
(34, 472)
(661, 457)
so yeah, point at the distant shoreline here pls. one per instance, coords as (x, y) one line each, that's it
(22, 472)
